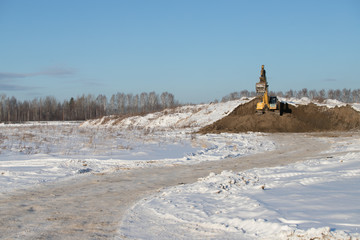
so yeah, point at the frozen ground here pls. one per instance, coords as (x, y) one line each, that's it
(79, 171)
(40, 152)
(315, 199)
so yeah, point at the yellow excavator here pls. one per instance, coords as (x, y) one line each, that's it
(268, 103)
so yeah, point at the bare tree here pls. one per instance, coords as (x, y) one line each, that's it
(112, 104)
(2, 106)
(331, 94)
(144, 102)
(304, 92)
(356, 95)
(171, 100)
(279, 94)
(101, 102)
(337, 94)
(312, 94)
(322, 94)
(234, 96)
(120, 97)
(244, 93)
(129, 97)
(135, 104)
(153, 101)
(346, 95)
(163, 98)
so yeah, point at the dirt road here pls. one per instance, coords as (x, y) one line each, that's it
(91, 207)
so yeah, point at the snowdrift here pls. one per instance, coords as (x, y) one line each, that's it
(190, 116)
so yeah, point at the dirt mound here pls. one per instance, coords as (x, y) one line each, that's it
(303, 118)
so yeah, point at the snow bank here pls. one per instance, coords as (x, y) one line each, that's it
(314, 199)
(190, 116)
(329, 103)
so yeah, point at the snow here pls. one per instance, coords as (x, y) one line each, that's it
(314, 198)
(32, 154)
(36, 152)
(329, 103)
(190, 117)
(356, 106)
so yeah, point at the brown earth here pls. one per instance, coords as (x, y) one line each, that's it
(303, 118)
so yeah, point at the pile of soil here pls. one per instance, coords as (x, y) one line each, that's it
(303, 118)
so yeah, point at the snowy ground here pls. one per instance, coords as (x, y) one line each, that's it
(40, 152)
(315, 198)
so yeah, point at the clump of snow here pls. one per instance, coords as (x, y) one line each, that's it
(296, 101)
(228, 145)
(315, 199)
(356, 106)
(331, 103)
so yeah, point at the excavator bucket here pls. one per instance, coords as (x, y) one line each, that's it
(260, 88)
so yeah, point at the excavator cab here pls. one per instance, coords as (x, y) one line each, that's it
(273, 103)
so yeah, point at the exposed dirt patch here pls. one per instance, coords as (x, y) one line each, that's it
(303, 118)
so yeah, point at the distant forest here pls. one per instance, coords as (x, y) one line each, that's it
(83, 107)
(89, 106)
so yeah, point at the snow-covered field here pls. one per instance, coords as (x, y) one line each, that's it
(40, 152)
(315, 198)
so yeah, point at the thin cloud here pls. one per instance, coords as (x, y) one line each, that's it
(91, 82)
(12, 87)
(4, 75)
(85, 82)
(57, 72)
(329, 80)
(54, 72)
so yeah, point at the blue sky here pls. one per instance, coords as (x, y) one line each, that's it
(199, 50)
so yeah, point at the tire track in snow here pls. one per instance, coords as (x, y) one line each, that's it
(91, 207)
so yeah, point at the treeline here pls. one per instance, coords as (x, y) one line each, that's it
(90, 106)
(344, 95)
(83, 107)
